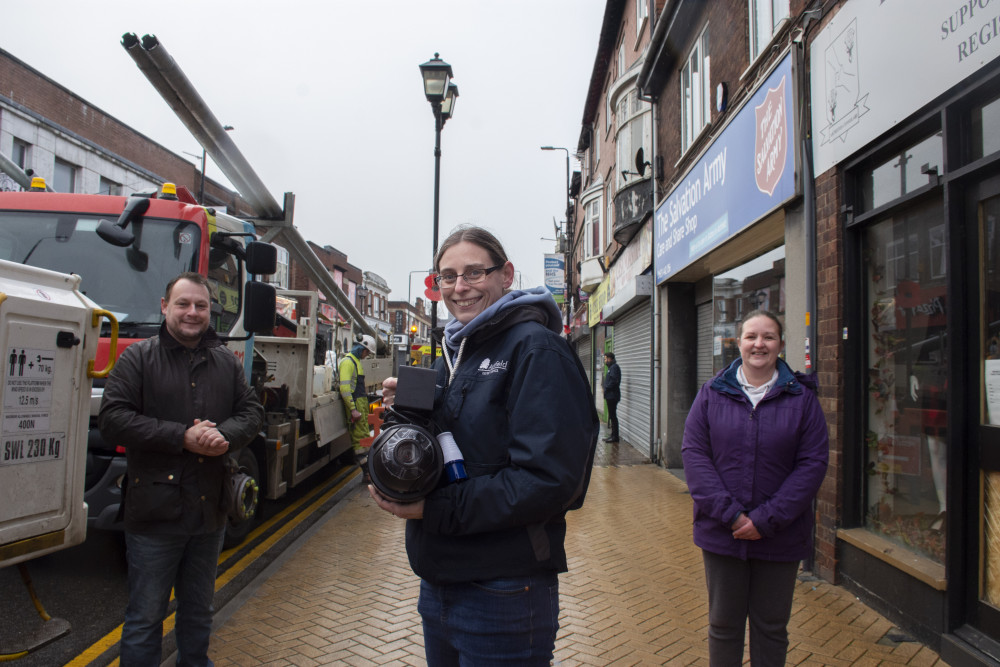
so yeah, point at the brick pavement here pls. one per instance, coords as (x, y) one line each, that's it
(634, 595)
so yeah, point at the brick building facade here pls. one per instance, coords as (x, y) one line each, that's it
(53, 124)
(865, 212)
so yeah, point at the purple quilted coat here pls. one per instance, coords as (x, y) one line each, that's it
(767, 461)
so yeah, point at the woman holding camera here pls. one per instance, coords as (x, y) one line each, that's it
(517, 401)
(755, 453)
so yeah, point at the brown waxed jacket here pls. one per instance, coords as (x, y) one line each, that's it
(155, 392)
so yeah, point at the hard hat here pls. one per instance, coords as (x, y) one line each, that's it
(368, 343)
(37, 183)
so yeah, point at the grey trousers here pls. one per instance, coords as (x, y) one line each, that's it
(760, 590)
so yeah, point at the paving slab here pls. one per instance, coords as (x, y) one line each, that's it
(634, 595)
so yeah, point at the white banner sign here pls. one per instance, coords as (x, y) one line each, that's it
(876, 63)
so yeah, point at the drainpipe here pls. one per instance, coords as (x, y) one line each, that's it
(809, 236)
(654, 442)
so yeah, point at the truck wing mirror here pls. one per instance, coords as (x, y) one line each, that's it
(262, 258)
(114, 233)
(259, 307)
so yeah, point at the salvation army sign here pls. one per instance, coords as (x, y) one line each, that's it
(770, 147)
(749, 170)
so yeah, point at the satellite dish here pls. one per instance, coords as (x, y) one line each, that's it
(640, 162)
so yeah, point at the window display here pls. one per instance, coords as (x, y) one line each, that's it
(907, 360)
(757, 285)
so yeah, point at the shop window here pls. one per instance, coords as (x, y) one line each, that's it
(757, 285)
(696, 91)
(910, 169)
(906, 387)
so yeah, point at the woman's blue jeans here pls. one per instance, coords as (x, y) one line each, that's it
(508, 621)
(157, 563)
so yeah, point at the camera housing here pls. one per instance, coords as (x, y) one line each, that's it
(405, 461)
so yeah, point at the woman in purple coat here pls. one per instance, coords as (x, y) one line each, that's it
(755, 453)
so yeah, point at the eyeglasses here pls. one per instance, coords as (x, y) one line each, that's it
(471, 277)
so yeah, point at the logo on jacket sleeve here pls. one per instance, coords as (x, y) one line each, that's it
(489, 368)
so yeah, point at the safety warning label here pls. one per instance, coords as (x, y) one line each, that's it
(28, 381)
(44, 447)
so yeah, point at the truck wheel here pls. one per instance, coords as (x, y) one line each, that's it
(236, 533)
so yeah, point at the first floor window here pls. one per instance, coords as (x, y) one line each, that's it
(765, 16)
(592, 246)
(65, 177)
(609, 219)
(19, 153)
(109, 187)
(696, 91)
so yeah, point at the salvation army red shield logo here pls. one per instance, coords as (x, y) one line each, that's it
(770, 149)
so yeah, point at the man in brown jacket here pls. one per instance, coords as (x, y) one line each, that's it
(178, 402)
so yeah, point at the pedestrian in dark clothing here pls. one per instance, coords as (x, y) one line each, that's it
(516, 399)
(755, 452)
(612, 393)
(178, 403)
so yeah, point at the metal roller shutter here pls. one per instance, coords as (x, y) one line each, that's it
(634, 354)
(705, 344)
(583, 351)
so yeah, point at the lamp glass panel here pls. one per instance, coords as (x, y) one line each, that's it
(448, 106)
(435, 82)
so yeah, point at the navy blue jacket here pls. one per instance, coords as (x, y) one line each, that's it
(768, 461)
(522, 413)
(612, 383)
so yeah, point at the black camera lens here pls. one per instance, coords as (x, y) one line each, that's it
(405, 462)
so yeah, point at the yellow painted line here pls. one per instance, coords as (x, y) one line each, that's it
(242, 563)
(113, 637)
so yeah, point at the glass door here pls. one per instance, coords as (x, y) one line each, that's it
(984, 207)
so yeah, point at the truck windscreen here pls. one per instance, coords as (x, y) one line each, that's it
(126, 281)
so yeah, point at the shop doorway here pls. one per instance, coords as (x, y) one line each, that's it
(983, 206)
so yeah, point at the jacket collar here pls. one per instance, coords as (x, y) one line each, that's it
(513, 307)
(208, 339)
(788, 380)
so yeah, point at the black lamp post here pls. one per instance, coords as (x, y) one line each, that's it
(569, 236)
(441, 93)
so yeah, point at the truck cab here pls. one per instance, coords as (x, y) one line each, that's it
(59, 232)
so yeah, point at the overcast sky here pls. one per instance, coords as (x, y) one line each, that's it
(327, 102)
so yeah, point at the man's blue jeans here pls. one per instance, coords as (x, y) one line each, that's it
(157, 563)
(509, 621)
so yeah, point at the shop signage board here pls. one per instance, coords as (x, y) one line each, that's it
(865, 61)
(747, 172)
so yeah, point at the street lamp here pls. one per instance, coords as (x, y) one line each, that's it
(569, 237)
(201, 189)
(442, 94)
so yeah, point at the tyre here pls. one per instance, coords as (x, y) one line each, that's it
(237, 532)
